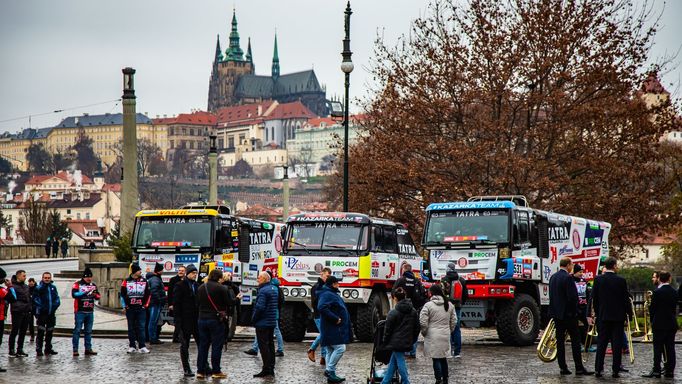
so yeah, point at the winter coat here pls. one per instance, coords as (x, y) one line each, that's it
(402, 327)
(437, 324)
(332, 308)
(55, 247)
(313, 297)
(222, 300)
(19, 297)
(280, 295)
(265, 308)
(172, 283)
(84, 296)
(186, 304)
(414, 290)
(134, 293)
(65, 246)
(156, 291)
(3, 293)
(45, 299)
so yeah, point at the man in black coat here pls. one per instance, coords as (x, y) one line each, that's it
(400, 333)
(415, 292)
(612, 307)
(21, 305)
(563, 308)
(186, 313)
(171, 287)
(663, 310)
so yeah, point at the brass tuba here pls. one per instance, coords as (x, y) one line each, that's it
(547, 345)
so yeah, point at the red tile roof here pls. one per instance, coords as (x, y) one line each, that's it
(317, 121)
(111, 187)
(194, 118)
(37, 180)
(242, 112)
(290, 111)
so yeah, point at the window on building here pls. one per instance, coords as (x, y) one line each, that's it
(78, 216)
(191, 131)
(191, 145)
(230, 142)
(68, 211)
(87, 215)
(221, 143)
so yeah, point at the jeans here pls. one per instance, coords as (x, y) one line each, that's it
(456, 336)
(136, 319)
(266, 346)
(83, 319)
(154, 312)
(19, 325)
(45, 323)
(278, 336)
(317, 340)
(397, 362)
(211, 333)
(334, 353)
(440, 368)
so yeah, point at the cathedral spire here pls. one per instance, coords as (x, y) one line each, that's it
(275, 61)
(218, 51)
(249, 56)
(234, 52)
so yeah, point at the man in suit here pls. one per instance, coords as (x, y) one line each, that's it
(612, 306)
(563, 308)
(664, 325)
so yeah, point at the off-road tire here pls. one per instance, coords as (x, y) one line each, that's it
(367, 317)
(508, 328)
(292, 323)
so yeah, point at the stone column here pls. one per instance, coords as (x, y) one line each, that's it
(129, 189)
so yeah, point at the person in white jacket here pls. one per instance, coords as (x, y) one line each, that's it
(438, 320)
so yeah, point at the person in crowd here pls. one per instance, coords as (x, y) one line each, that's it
(236, 297)
(31, 320)
(335, 326)
(84, 293)
(456, 287)
(186, 314)
(437, 320)
(584, 291)
(55, 247)
(171, 288)
(157, 300)
(45, 303)
(3, 294)
(663, 312)
(20, 300)
(64, 247)
(253, 351)
(134, 300)
(401, 331)
(264, 319)
(324, 274)
(612, 306)
(48, 247)
(563, 308)
(415, 292)
(92, 245)
(214, 302)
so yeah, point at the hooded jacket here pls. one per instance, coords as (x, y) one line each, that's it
(413, 288)
(45, 299)
(19, 297)
(402, 327)
(332, 308)
(157, 295)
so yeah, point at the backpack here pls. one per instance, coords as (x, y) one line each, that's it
(456, 291)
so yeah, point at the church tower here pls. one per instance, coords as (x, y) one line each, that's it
(275, 62)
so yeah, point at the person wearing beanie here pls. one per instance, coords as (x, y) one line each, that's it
(584, 291)
(455, 288)
(186, 314)
(84, 293)
(415, 292)
(335, 326)
(156, 302)
(134, 300)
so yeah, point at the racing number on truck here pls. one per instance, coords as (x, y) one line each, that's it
(518, 269)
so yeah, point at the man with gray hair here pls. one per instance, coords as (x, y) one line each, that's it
(265, 320)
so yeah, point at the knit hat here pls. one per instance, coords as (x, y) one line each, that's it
(451, 266)
(134, 268)
(158, 267)
(87, 272)
(190, 268)
(577, 268)
(331, 280)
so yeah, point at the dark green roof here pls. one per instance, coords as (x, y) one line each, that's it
(266, 87)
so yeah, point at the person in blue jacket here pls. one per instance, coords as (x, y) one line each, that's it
(265, 320)
(336, 326)
(45, 304)
(253, 351)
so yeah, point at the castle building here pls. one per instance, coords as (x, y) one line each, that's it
(233, 80)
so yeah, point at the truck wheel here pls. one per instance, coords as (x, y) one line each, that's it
(232, 326)
(518, 320)
(292, 322)
(367, 317)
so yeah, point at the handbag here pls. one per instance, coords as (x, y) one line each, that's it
(222, 315)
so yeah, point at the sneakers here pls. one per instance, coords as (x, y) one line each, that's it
(311, 355)
(279, 353)
(219, 375)
(90, 352)
(12, 354)
(332, 378)
(144, 350)
(458, 356)
(251, 352)
(132, 350)
(21, 354)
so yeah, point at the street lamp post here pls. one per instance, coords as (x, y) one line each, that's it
(347, 68)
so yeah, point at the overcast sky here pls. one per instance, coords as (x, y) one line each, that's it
(69, 53)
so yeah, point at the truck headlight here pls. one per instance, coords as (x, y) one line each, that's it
(285, 291)
(346, 293)
(294, 292)
(354, 294)
(303, 292)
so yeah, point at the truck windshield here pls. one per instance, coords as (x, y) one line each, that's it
(174, 231)
(327, 236)
(468, 226)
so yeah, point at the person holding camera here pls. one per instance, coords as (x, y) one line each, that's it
(84, 293)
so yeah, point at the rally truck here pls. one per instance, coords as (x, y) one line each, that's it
(366, 254)
(507, 252)
(208, 237)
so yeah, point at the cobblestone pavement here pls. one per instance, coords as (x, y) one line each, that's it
(482, 362)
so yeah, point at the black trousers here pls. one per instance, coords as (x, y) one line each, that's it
(570, 326)
(609, 331)
(45, 325)
(664, 340)
(185, 334)
(19, 325)
(266, 346)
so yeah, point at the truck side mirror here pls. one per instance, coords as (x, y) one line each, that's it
(244, 244)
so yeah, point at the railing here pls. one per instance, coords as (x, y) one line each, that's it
(32, 251)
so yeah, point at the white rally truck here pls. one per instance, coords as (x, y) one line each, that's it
(507, 252)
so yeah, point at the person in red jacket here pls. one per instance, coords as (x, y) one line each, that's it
(3, 308)
(135, 300)
(84, 293)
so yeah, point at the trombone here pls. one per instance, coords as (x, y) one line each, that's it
(630, 333)
(591, 334)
